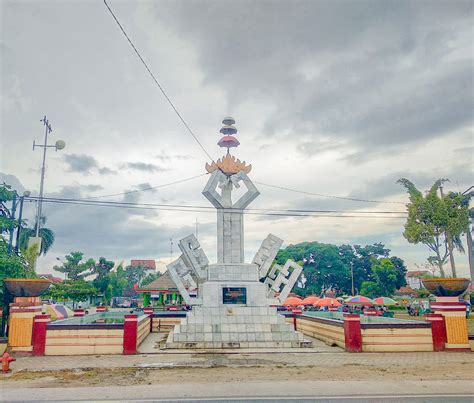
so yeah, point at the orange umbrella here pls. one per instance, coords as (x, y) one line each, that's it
(311, 300)
(328, 302)
(293, 301)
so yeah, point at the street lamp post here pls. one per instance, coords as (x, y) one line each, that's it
(26, 193)
(59, 145)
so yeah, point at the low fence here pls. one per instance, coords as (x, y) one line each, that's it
(329, 330)
(165, 321)
(69, 337)
(385, 337)
(373, 334)
(143, 328)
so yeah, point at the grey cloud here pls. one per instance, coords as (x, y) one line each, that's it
(80, 163)
(84, 163)
(107, 171)
(167, 158)
(13, 181)
(111, 232)
(143, 166)
(369, 75)
(459, 174)
(146, 186)
(92, 188)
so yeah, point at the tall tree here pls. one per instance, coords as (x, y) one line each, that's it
(118, 281)
(74, 267)
(435, 221)
(101, 269)
(46, 235)
(329, 266)
(384, 280)
(135, 274)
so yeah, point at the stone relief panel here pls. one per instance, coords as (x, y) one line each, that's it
(194, 256)
(282, 279)
(266, 254)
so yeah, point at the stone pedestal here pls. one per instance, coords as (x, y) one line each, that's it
(234, 313)
(454, 313)
(22, 313)
(234, 327)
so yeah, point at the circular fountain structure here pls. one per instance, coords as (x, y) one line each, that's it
(446, 287)
(26, 287)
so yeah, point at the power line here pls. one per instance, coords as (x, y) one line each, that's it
(328, 196)
(205, 209)
(58, 199)
(157, 83)
(146, 189)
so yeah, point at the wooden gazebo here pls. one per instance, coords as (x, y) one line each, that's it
(162, 291)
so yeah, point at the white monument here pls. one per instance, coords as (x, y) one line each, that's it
(235, 302)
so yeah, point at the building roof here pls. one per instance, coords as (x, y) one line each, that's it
(417, 273)
(163, 283)
(406, 290)
(148, 263)
(50, 277)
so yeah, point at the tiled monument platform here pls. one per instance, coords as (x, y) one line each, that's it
(232, 300)
(235, 327)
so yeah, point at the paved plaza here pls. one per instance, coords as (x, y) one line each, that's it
(319, 359)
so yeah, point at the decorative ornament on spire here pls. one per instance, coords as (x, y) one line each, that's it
(228, 130)
(228, 164)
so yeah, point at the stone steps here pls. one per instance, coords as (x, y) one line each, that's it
(230, 345)
(234, 327)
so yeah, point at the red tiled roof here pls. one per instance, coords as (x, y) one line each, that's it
(148, 263)
(417, 273)
(51, 277)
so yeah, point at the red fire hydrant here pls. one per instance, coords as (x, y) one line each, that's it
(6, 360)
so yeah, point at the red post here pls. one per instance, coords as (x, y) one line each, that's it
(438, 330)
(352, 333)
(40, 323)
(296, 311)
(79, 312)
(130, 330)
(101, 309)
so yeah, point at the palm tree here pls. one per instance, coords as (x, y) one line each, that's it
(46, 235)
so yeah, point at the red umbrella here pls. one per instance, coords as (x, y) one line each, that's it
(328, 302)
(359, 300)
(293, 301)
(311, 300)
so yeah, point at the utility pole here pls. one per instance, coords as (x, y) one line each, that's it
(26, 193)
(59, 145)
(12, 226)
(352, 278)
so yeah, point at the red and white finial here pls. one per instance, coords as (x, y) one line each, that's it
(228, 130)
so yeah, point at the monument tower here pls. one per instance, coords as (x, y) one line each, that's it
(235, 301)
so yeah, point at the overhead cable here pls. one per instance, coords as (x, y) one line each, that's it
(147, 188)
(204, 210)
(328, 196)
(157, 83)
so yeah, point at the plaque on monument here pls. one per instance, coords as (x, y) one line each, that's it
(234, 295)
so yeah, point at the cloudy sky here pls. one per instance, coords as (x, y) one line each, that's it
(330, 97)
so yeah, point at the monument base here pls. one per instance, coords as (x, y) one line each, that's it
(454, 313)
(234, 326)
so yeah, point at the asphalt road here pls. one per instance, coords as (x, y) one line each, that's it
(294, 390)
